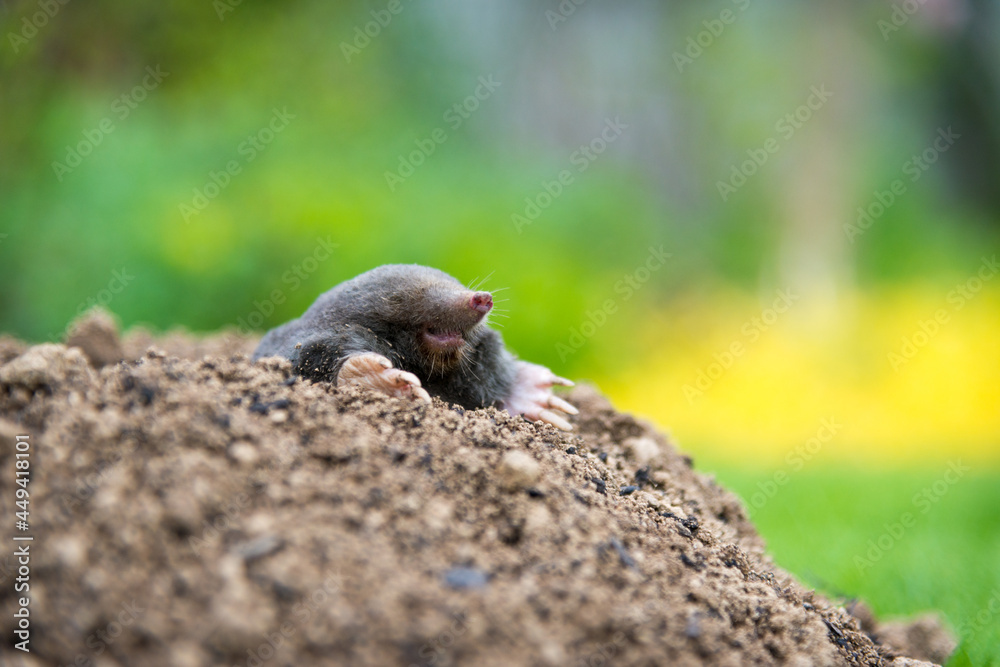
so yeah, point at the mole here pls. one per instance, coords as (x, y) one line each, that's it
(413, 331)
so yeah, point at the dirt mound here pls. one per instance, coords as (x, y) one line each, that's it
(215, 511)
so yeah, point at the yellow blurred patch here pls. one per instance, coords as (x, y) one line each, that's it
(909, 374)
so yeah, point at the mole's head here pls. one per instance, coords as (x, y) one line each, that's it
(426, 313)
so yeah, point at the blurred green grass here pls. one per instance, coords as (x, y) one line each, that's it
(949, 560)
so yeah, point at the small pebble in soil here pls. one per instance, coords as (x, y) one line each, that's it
(628, 490)
(601, 486)
(518, 469)
(259, 547)
(466, 578)
(693, 628)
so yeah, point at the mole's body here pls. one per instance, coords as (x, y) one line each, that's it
(407, 330)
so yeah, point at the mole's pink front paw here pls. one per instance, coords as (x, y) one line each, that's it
(373, 371)
(532, 396)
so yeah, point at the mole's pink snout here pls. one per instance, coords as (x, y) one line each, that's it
(481, 302)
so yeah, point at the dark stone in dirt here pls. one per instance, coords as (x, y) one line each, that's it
(466, 577)
(602, 488)
(340, 518)
(264, 408)
(623, 556)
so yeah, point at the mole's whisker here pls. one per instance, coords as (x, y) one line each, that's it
(466, 365)
(480, 283)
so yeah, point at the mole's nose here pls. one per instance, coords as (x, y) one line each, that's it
(481, 302)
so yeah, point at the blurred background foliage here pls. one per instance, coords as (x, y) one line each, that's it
(697, 90)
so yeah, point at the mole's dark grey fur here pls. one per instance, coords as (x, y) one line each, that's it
(421, 319)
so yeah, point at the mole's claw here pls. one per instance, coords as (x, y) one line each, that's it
(560, 404)
(552, 418)
(531, 395)
(373, 371)
(407, 383)
(563, 382)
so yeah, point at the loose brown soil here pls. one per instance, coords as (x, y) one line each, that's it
(190, 507)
